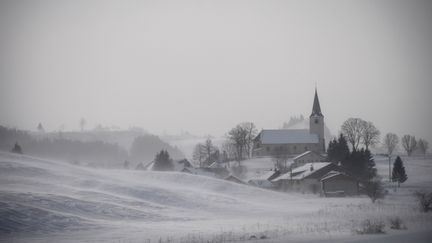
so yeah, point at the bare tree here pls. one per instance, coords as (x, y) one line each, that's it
(353, 131)
(370, 134)
(199, 154)
(229, 148)
(251, 133)
(209, 150)
(423, 145)
(82, 124)
(241, 136)
(391, 141)
(409, 143)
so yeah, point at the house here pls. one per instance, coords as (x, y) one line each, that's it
(264, 181)
(307, 157)
(293, 141)
(337, 183)
(306, 178)
(234, 179)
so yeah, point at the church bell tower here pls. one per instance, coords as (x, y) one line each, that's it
(316, 123)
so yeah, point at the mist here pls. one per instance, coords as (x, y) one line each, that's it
(203, 67)
(215, 121)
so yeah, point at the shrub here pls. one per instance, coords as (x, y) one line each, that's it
(425, 200)
(371, 227)
(375, 189)
(396, 223)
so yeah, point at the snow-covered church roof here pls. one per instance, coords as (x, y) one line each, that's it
(286, 136)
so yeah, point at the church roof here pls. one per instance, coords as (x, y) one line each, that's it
(316, 109)
(286, 136)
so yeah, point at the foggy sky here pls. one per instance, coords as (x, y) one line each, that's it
(204, 66)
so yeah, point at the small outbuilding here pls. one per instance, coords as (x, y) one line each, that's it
(306, 178)
(336, 183)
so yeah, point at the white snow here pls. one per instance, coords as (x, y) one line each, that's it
(49, 201)
(303, 171)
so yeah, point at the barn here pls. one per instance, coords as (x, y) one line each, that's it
(337, 183)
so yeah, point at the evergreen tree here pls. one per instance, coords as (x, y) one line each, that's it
(338, 150)
(342, 147)
(399, 173)
(163, 162)
(17, 149)
(40, 128)
(360, 164)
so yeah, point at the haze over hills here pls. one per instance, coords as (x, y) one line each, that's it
(95, 148)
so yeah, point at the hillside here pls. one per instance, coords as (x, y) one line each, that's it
(49, 201)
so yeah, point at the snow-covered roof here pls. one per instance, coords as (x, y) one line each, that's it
(235, 179)
(333, 173)
(301, 155)
(216, 165)
(260, 183)
(286, 136)
(303, 171)
(266, 175)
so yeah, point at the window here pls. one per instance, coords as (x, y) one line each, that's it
(268, 149)
(316, 120)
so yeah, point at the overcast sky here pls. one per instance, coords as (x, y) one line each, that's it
(204, 66)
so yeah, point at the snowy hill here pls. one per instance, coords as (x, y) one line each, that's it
(49, 201)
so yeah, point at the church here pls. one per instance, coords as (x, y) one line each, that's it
(293, 141)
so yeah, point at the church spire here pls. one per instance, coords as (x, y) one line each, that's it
(316, 109)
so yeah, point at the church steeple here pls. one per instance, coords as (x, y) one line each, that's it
(316, 109)
(316, 123)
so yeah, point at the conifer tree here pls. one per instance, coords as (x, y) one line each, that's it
(17, 149)
(338, 150)
(163, 162)
(399, 173)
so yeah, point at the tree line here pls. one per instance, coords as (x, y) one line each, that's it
(95, 153)
(238, 146)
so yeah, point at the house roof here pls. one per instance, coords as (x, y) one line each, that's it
(303, 171)
(306, 153)
(268, 175)
(234, 179)
(287, 136)
(216, 165)
(301, 155)
(334, 174)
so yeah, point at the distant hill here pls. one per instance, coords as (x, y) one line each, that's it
(145, 147)
(94, 148)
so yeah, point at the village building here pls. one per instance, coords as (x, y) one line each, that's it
(234, 179)
(337, 183)
(306, 178)
(294, 141)
(307, 157)
(264, 181)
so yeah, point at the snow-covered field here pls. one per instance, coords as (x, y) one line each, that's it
(49, 201)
